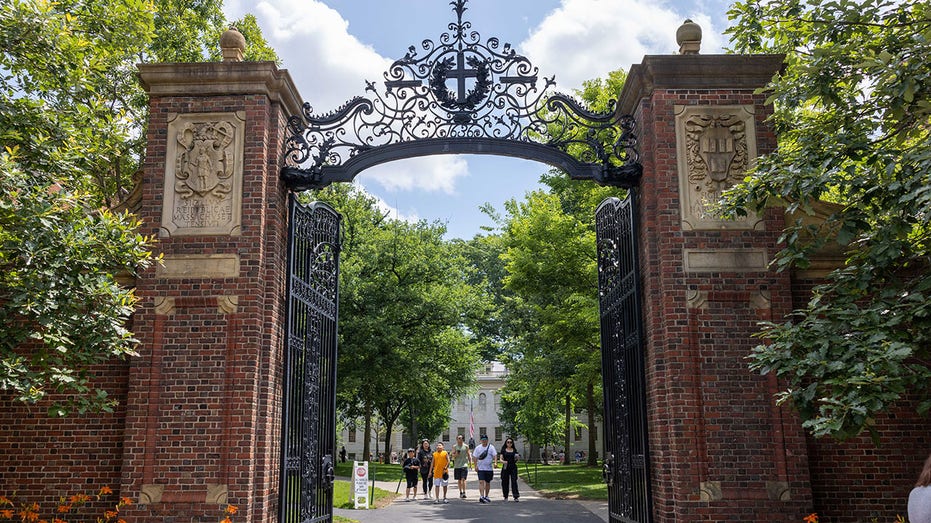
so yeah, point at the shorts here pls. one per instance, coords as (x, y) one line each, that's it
(486, 475)
(411, 480)
(440, 482)
(461, 473)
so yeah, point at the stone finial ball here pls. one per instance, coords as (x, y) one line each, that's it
(232, 39)
(689, 31)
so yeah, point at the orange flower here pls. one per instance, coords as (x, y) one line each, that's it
(811, 518)
(226, 520)
(56, 520)
(105, 490)
(232, 509)
(121, 521)
(110, 514)
(64, 508)
(30, 512)
(125, 501)
(5, 500)
(7, 513)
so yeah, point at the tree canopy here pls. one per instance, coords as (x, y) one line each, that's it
(72, 117)
(852, 115)
(404, 296)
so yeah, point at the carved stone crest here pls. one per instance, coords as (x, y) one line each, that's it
(205, 160)
(715, 146)
(203, 174)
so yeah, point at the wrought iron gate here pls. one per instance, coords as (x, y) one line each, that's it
(626, 460)
(308, 428)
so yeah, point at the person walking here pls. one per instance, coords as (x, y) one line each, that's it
(508, 459)
(919, 499)
(425, 456)
(411, 469)
(462, 459)
(440, 472)
(484, 456)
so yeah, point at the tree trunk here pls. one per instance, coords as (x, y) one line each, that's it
(367, 433)
(389, 425)
(567, 439)
(592, 429)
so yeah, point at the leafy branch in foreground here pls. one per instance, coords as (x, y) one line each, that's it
(852, 114)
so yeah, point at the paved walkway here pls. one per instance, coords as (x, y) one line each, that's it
(532, 507)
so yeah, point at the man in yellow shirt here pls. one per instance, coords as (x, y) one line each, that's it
(440, 472)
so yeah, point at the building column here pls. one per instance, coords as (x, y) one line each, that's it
(720, 447)
(203, 409)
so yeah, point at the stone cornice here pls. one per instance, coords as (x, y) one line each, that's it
(222, 78)
(696, 72)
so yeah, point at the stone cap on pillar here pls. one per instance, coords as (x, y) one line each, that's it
(221, 78)
(693, 71)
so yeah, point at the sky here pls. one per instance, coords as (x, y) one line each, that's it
(332, 47)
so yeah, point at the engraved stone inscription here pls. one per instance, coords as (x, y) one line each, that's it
(203, 174)
(715, 145)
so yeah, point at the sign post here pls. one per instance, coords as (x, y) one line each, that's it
(360, 484)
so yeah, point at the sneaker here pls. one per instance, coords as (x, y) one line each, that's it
(516, 500)
(445, 501)
(436, 501)
(462, 495)
(482, 500)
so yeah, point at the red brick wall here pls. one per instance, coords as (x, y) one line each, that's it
(857, 480)
(45, 459)
(713, 423)
(203, 403)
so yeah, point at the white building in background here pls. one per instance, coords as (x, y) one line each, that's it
(479, 410)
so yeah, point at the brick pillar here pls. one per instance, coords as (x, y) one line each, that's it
(721, 450)
(203, 417)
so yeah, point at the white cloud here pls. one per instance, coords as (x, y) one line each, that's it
(328, 64)
(586, 39)
(389, 210)
(430, 173)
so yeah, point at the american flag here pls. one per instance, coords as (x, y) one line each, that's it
(471, 427)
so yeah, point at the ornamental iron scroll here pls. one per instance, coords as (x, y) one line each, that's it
(460, 96)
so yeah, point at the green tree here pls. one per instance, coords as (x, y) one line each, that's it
(550, 276)
(404, 297)
(71, 120)
(62, 309)
(852, 115)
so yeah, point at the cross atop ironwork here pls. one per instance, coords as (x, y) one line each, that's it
(461, 73)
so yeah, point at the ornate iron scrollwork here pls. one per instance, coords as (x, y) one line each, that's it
(497, 105)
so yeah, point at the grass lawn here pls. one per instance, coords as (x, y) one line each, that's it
(381, 471)
(341, 496)
(565, 481)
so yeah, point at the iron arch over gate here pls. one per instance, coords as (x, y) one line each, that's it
(497, 104)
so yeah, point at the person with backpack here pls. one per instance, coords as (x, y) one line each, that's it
(484, 456)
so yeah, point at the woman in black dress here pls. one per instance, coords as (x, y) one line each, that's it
(508, 456)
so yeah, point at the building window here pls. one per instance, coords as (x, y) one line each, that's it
(446, 435)
(482, 402)
(352, 435)
(499, 433)
(460, 431)
(578, 433)
(482, 430)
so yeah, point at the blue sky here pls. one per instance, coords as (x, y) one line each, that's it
(332, 47)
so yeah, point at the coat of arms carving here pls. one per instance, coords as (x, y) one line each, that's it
(205, 166)
(716, 145)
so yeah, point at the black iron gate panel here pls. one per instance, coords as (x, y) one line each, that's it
(309, 410)
(626, 460)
